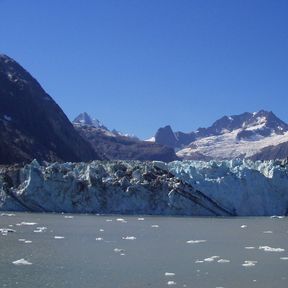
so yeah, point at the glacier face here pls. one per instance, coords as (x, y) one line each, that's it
(196, 188)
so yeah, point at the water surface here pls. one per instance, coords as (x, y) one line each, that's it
(127, 251)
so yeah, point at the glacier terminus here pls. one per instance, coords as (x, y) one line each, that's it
(238, 187)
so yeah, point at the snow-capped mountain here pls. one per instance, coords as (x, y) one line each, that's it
(85, 119)
(229, 137)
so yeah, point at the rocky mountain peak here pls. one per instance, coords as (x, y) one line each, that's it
(85, 119)
(165, 136)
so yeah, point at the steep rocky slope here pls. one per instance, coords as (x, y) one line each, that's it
(32, 125)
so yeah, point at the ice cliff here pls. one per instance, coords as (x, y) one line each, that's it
(222, 188)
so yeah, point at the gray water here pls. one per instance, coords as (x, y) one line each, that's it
(157, 245)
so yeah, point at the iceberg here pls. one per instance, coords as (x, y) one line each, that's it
(192, 188)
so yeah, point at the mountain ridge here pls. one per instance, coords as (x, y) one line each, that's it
(232, 136)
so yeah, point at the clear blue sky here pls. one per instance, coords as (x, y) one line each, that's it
(137, 65)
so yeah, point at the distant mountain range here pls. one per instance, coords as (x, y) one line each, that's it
(114, 145)
(32, 126)
(259, 135)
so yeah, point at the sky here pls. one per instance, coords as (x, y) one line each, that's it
(137, 65)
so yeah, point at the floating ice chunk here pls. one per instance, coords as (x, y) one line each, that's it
(68, 217)
(21, 240)
(7, 230)
(98, 239)
(267, 232)
(122, 254)
(27, 241)
(101, 230)
(277, 217)
(223, 261)
(211, 259)
(284, 258)
(109, 220)
(195, 241)
(249, 247)
(171, 283)
(243, 226)
(129, 238)
(270, 249)
(199, 261)
(7, 214)
(59, 237)
(21, 261)
(28, 223)
(121, 220)
(155, 226)
(119, 250)
(169, 274)
(140, 219)
(40, 229)
(249, 263)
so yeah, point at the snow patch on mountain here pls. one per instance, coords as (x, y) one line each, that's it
(227, 145)
(237, 136)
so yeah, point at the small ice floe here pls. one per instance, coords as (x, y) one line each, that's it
(154, 226)
(121, 220)
(119, 250)
(27, 241)
(249, 263)
(199, 261)
(129, 238)
(21, 240)
(140, 219)
(68, 217)
(171, 283)
(169, 274)
(267, 232)
(243, 226)
(249, 247)
(59, 237)
(284, 258)
(40, 229)
(27, 223)
(223, 261)
(101, 230)
(7, 230)
(195, 241)
(7, 214)
(211, 259)
(98, 239)
(270, 249)
(277, 217)
(21, 262)
(108, 220)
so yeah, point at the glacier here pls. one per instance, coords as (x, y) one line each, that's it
(236, 187)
